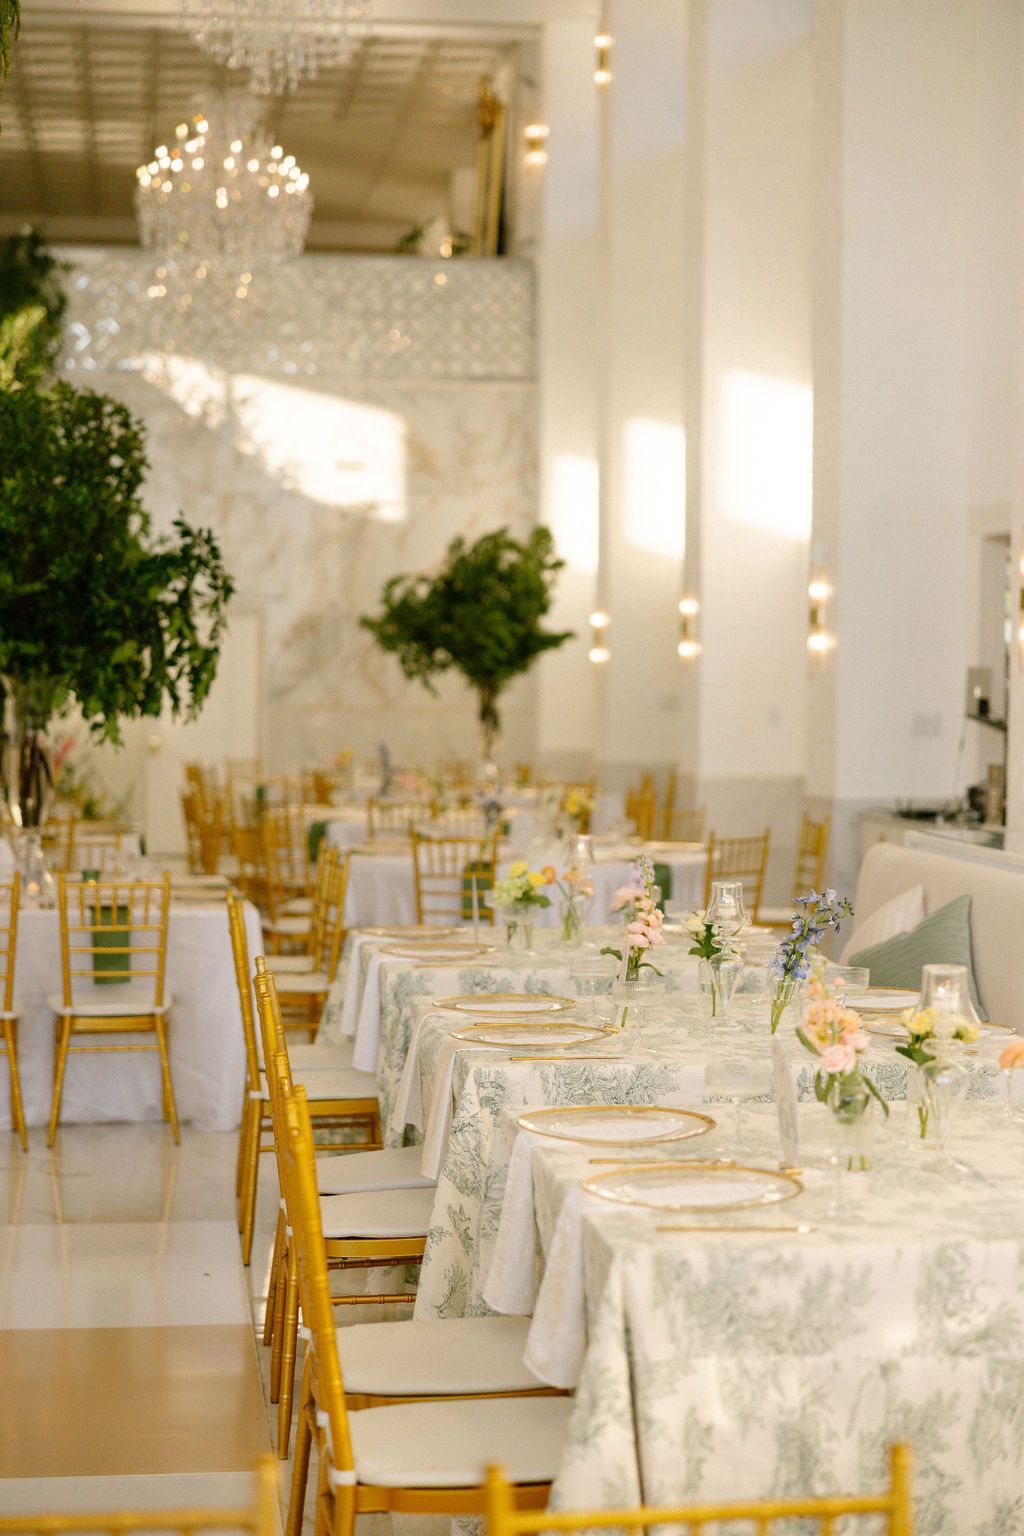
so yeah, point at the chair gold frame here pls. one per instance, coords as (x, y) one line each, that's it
(895, 1503)
(352, 1114)
(325, 1416)
(342, 1253)
(10, 892)
(812, 851)
(739, 858)
(397, 818)
(260, 1517)
(304, 991)
(684, 826)
(90, 918)
(439, 865)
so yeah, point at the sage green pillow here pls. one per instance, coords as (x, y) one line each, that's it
(942, 939)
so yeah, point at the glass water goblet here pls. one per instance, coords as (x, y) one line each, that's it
(737, 1081)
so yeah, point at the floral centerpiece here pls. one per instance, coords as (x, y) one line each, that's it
(577, 807)
(834, 1035)
(643, 921)
(577, 892)
(491, 808)
(815, 916)
(713, 944)
(938, 1080)
(518, 896)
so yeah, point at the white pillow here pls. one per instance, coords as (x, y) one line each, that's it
(897, 916)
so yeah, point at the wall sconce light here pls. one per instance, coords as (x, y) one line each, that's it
(599, 652)
(603, 43)
(689, 646)
(819, 639)
(535, 137)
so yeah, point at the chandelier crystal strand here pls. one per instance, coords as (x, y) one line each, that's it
(222, 191)
(280, 42)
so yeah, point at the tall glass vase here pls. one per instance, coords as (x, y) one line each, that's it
(28, 782)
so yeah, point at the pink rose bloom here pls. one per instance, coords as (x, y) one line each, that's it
(859, 1040)
(622, 898)
(1013, 1055)
(635, 927)
(838, 1058)
(640, 942)
(657, 937)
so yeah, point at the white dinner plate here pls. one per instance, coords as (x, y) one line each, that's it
(616, 1125)
(881, 999)
(514, 1034)
(508, 1004)
(696, 1186)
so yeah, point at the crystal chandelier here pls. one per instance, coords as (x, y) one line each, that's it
(279, 41)
(223, 191)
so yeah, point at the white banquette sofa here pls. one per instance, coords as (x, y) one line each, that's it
(997, 914)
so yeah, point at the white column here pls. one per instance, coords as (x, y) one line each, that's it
(568, 361)
(895, 180)
(643, 416)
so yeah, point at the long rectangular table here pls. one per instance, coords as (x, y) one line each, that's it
(206, 1048)
(766, 1363)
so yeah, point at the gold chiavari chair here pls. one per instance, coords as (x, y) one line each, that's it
(203, 779)
(204, 832)
(113, 936)
(304, 990)
(643, 813)
(739, 858)
(811, 854)
(251, 872)
(286, 856)
(9, 893)
(58, 836)
(342, 1098)
(684, 826)
(895, 1504)
(668, 803)
(386, 1364)
(397, 818)
(809, 874)
(409, 1458)
(443, 869)
(457, 821)
(260, 1517)
(366, 1230)
(102, 846)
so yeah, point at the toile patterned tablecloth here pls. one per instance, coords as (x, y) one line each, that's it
(765, 1364)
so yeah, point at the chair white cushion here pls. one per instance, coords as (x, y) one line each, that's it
(341, 1083)
(378, 1213)
(897, 916)
(449, 1444)
(343, 1173)
(327, 1055)
(291, 965)
(312, 982)
(460, 1355)
(298, 906)
(290, 927)
(117, 1007)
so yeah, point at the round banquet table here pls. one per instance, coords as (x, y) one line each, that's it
(205, 1029)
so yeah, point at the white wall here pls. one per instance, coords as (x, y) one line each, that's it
(328, 457)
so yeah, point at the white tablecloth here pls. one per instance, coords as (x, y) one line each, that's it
(205, 1030)
(381, 889)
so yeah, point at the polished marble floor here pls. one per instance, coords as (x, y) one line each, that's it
(130, 1372)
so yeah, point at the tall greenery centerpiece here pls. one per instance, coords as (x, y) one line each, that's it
(93, 610)
(481, 615)
(32, 305)
(10, 22)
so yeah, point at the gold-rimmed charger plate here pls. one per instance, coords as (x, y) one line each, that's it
(616, 1125)
(895, 1029)
(426, 951)
(694, 1186)
(519, 1034)
(509, 1004)
(410, 932)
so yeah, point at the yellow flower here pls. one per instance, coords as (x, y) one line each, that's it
(518, 868)
(535, 878)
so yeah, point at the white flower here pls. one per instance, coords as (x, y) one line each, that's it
(696, 922)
